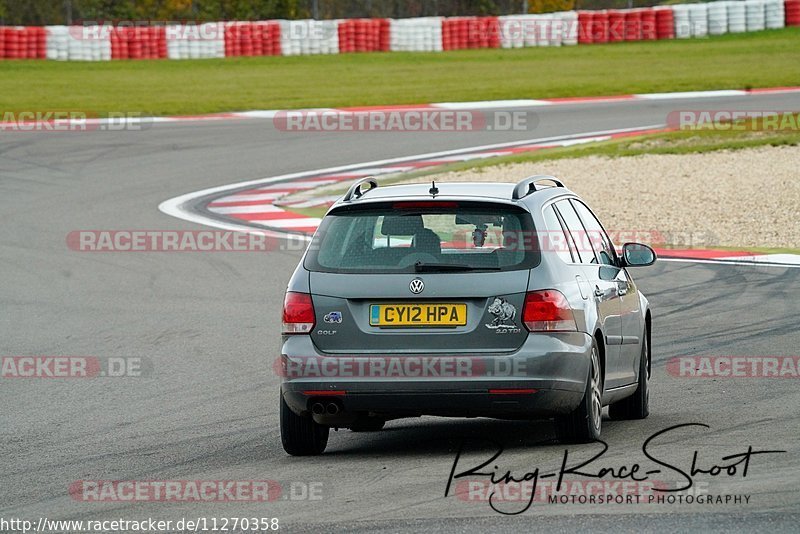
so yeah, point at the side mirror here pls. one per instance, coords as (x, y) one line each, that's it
(637, 255)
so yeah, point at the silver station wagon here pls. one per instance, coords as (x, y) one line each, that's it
(466, 300)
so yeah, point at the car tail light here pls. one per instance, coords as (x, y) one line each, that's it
(298, 313)
(548, 311)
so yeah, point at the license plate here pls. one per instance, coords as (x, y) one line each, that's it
(387, 315)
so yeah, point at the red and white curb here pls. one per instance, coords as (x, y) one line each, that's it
(256, 206)
(262, 205)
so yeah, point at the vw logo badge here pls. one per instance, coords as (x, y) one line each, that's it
(416, 286)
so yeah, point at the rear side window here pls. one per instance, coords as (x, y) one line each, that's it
(596, 235)
(407, 237)
(556, 239)
(584, 251)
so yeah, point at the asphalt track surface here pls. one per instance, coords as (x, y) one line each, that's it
(207, 324)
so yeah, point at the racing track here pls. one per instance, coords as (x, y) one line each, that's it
(207, 323)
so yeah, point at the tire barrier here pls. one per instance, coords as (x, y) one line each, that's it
(649, 32)
(633, 25)
(717, 18)
(792, 12)
(600, 28)
(665, 23)
(550, 29)
(309, 37)
(195, 41)
(78, 43)
(517, 31)
(586, 27)
(416, 35)
(616, 25)
(23, 42)
(252, 39)
(553, 34)
(460, 33)
(683, 27)
(774, 14)
(363, 35)
(138, 42)
(737, 19)
(754, 11)
(698, 20)
(569, 21)
(424, 34)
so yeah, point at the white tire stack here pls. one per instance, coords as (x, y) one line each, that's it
(512, 31)
(422, 34)
(737, 19)
(717, 18)
(683, 26)
(698, 19)
(774, 14)
(309, 37)
(569, 23)
(57, 43)
(195, 41)
(755, 13)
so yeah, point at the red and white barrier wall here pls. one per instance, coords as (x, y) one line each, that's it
(426, 34)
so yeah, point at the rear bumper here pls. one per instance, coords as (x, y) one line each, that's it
(545, 377)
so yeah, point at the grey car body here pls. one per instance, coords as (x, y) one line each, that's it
(512, 372)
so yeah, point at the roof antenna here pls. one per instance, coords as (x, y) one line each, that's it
(433, 190)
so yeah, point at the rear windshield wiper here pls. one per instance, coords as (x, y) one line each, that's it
(443, 267)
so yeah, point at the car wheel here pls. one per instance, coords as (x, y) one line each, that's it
(637, 406)
(366, 423)
(584, 423)
(301, 436)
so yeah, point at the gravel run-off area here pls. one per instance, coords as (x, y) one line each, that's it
(732, 198)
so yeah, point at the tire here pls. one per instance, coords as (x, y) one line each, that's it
(301, 436)
(365, 423)
(637, 406)
(584, 423)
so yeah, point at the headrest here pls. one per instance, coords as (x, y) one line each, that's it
(401, 224)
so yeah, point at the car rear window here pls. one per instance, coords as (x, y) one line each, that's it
(430, 236)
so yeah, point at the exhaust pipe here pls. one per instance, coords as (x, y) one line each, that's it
(332, 408)
(317, 408)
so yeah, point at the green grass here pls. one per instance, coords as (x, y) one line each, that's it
(760, 59)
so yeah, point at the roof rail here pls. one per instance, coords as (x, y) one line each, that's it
(528, 185)
(355, 192)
